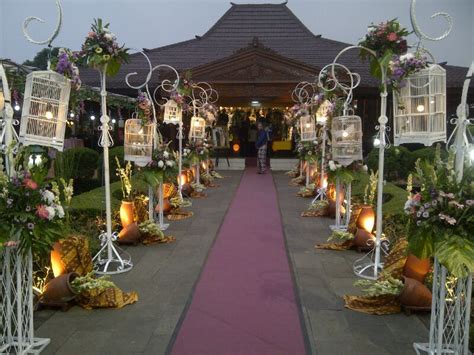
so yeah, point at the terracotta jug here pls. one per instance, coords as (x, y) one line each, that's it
(415, 294)
(59, 289)
(126, 213)
(416, 268)
(166, 206)
(129, 235)
(364, 239)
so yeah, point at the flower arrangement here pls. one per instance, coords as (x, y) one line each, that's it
(345, 174)
(144, 108)
(195, 152)
(101, 49)
(386, 40)
(87, 283)
(442, 215)
(388, 286)
(151, 229)
(162, 167)
(30, 213)
(308, 151)
(401, 67)
(65, 64)
(125, 175)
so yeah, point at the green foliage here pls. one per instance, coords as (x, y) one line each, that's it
(115, 152)
(76, 163)
(390, 286)
(89, 282)
(399, 162)
(40, 60)
(428, 154)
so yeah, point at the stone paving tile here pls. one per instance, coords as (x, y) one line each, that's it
(163, 276)
(322, 277)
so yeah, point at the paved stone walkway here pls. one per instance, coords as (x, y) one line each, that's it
(323, 277)
(165, 275)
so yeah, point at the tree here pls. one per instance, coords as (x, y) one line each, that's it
(41, 58)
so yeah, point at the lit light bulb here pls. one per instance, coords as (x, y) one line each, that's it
(114, 120)
(376, 142)
(345, 134)
(17, 107)
(420, 108)
(71, 114)
(92, 117)
(321, 119)
(140, 131)
(49, 115)
(432, 101)
(308, 125)
(471, 154)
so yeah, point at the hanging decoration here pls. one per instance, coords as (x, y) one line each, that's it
(138, 142)
(197, 130)
(420, 107)
(346, 132)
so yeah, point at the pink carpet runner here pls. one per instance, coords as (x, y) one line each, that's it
(244, 302)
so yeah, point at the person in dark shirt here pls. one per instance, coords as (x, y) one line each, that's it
(261, 144)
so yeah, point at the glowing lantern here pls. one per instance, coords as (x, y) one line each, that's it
(236, 147)
(45, 108)
(420, 108)
(366, 219)
(346, 139)
(198, 128)
(57, 264)
(307, 128)
(183, 178)
(173, 113)
(138, 143)
(126, 213)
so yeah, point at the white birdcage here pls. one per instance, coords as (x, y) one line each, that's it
(346, 134)
(198, 128)
(307, 128)
(420, 108)
(45, 108)
(138, 144)
(173, 112)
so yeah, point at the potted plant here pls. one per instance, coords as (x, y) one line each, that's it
(88, 286)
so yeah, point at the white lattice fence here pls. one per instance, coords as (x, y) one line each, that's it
(16, 305)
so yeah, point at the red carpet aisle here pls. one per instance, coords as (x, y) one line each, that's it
(244, 302)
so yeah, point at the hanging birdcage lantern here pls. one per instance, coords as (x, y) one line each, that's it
(346, 134)
(307, 128)
(138, 143)
(198, 128)
(45, 108)
(173, 112)
(420, 108)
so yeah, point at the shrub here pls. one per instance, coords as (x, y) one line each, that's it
(76, 163)
(113, 152)
(428, 153)
(399, 162)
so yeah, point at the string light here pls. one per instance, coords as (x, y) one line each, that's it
(92, 117)
(72, 114)
(420, 108)
(17, 107)
(49, 115)
(376, 142)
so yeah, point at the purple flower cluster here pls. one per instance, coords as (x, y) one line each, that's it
(403, 66)
(66, 66)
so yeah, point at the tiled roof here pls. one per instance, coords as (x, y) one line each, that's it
(275, 26)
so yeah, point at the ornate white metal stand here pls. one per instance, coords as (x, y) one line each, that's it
(110, 259)
(321, 195)
(451, 305)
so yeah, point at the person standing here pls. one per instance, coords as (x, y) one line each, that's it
(261, 145)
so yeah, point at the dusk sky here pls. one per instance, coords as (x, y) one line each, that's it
(154, 23)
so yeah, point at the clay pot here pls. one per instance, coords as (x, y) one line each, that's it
(416, 268)
(186, 189)
(59, 289)
(364, 239)
(126, 213)
(129, 235)
(166, 206)
(366, 218)
(415, 294)
(332, 203)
